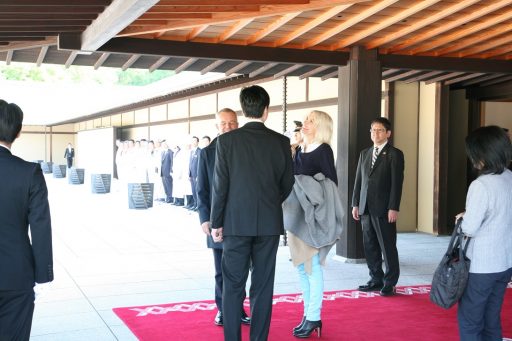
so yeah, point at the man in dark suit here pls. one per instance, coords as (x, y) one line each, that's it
(69, 154)
(376, 201)
(24, 260)
(192, 172)
(165, 171)
(226, 121)
(253, 176)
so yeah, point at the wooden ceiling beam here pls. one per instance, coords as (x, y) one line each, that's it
(113, 20)
(159, 8)
(496, 81)
(42, 54)
(276, 24)
(330, 75)
(389, 72)
(70, 59)
(41, 41)
(423, 77)
(393, 19)
(481, 79)
(8, 57)
(312, 24)
(51, 29)
(50, 3)
(448, 25)
(415, 26)
(355, 20)
(403, 75)
(221, 18)
(212, 66)
(185, 65)
(459, 34)
(288, 70)
(158, 63)
(234, 29)
(507, 39)
(262, 69)
(48, 16)
(232, 2)
(130, 62)
(4, 9)
(237, 68)
(315, 71)
(101, 60)
(444, 77)
(463, 78)
(196, 31)
(60, 22)
(504, 52)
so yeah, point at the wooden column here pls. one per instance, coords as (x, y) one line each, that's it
(359, 101)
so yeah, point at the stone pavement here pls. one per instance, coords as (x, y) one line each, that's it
(108, 256)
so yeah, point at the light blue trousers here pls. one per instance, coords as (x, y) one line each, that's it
(312, 286)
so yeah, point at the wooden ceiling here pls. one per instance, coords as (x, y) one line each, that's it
(459, 42)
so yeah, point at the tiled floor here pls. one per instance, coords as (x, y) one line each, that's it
(108, 256)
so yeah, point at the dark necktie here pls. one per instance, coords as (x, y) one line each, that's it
(375, 154)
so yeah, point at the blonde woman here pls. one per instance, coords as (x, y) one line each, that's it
(315, 195)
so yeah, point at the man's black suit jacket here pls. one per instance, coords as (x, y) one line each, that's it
(204, 187)
(167, 158)
(379, 189)
(23, 202)
(253, 175)
(192, 165)
(69, 154)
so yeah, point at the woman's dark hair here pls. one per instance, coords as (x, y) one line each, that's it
(489, 149)
(254, 99)
(11, 119)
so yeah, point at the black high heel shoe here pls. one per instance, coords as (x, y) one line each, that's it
(308, 328)
(296, 329)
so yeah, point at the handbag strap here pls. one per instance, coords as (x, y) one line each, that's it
(463, 246)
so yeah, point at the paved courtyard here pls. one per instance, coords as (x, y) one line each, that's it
(108, 256)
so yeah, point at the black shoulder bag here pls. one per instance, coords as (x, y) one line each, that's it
(451, 276)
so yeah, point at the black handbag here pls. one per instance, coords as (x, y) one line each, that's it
(451, 276)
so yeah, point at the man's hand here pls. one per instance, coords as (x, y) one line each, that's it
(392, 216)
(217, 234)
(459, 216)
(355, 213)
(206, 227)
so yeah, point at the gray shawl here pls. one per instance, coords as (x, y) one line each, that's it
(313, 212)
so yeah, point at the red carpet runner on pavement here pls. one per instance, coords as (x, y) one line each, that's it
(346, 315)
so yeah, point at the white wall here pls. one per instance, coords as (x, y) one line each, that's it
(96, 148)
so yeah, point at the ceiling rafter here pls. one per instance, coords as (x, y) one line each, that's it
(463, 78)
(497, 81)
(315, 71)
(475, 39)
(420, 24)
(403, 75)
(232, 2)
(220, 18)
(185, 65)
(130, 62)
(503, 52)
(385, 23)
(158, 63)
(212, 66)
(234, 29)
(8, 58)
(288, 70)
(423, 77)
(70, 59)
(328, 14)
(162, 8)
(271, 28)
(262, 69)
(101, 60)
(42, 54)
(444, 77)
(450, 25)
(484, 46)
(357, 19)
(448, 39)
(237, 68)
(482, 79)
(329, 75)
(196, 31)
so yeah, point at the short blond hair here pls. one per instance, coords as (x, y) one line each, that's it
(323, 124)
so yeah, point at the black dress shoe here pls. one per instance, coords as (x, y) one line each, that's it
(370, 286)
(245, 319)
(219, 321)
(299, 326)
(308, 328)
(388, 290)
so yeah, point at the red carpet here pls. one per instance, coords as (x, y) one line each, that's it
(346, 315)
